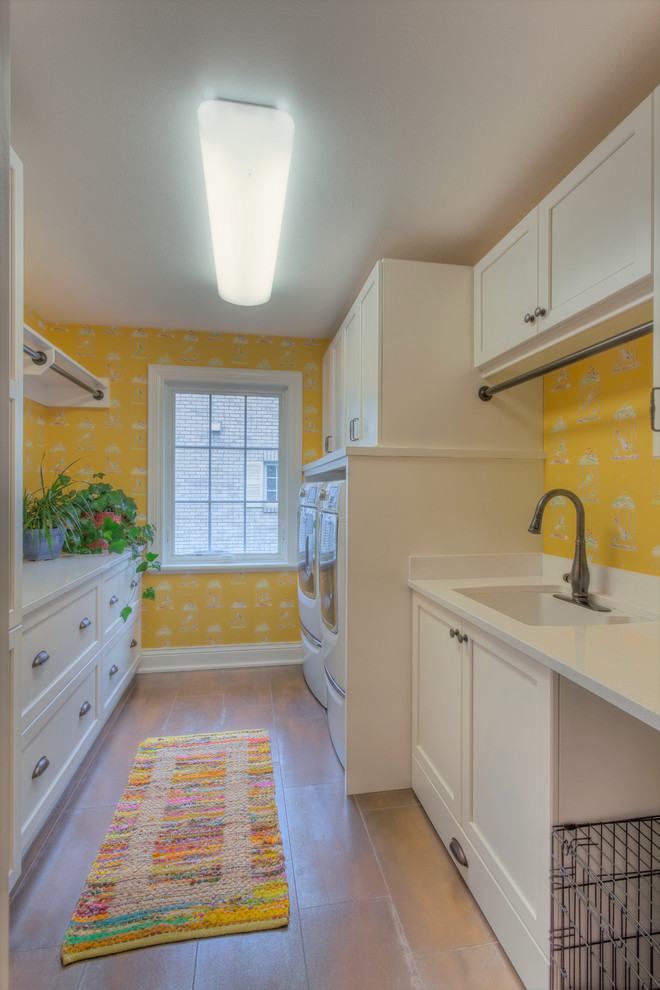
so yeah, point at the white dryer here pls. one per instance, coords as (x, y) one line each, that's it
(309, 602)
(332, 583)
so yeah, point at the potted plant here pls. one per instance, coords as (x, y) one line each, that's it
(108, 524)
(51, 517)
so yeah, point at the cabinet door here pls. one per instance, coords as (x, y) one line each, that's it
(353, 378)
(505, 292)
(595, 227)
(437, 703)
(328, 400)
(507, 779)
(369, 315)
(338, 391)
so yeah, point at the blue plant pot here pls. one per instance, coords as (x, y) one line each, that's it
(35, 544)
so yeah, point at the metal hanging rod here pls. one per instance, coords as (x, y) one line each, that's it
(486, 392)
(40, 357)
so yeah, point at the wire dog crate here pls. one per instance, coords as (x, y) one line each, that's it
(605, 886)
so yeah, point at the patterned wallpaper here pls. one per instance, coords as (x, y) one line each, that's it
(598, 444)
(596, 434)
(190, 610)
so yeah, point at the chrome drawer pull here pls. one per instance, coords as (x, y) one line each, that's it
(456, 850)
(134, 583)
(85, 708)
(40, 659)
(85, 622)
(133, 643)
(113, 670)
(41, 766)
(114, 600)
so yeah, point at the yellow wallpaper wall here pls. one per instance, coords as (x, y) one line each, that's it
(598, 443)
(190, 610)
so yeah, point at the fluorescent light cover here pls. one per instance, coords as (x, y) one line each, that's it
(246, 152)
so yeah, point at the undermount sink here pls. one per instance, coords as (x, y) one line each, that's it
(539, 607)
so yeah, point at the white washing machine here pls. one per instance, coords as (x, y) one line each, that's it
(332, 583)
(309, 602)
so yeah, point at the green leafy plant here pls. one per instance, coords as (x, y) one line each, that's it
(53, 506)
(108, 522)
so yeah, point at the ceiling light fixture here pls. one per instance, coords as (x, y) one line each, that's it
(246, 152)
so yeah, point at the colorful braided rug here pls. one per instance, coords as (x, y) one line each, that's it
(194, 849)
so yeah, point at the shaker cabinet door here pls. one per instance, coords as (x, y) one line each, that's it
(508, 786)
(506, 292)
(437, 702)
(595, 227)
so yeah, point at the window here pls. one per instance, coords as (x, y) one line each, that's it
(270, 482)
(224, 465)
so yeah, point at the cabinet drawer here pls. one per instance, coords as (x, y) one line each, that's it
(52, 748)
(118, 665)
(63, 637)
(120, 588)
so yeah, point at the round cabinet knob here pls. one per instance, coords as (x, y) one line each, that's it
(529, 318)
(462, 637)
(539, 311)
(453, 632)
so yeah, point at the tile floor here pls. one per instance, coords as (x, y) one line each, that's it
(376, 903)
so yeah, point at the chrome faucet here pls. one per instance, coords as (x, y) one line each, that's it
(579, 573)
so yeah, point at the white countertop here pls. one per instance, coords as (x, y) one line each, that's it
(43, 580)
(620, 663)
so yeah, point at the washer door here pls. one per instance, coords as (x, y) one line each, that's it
(307, 551)
(328, 569)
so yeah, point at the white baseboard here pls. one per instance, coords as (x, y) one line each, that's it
(217, 657)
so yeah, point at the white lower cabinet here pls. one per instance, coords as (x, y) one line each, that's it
(118, 665)
(75, 659)
(482, 769)
(53, 746)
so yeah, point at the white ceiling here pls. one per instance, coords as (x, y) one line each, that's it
(424, 129)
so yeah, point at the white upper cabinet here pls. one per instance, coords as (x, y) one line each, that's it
(362, 329)
(506, 292)
(352, 365)
(595, 227)
(328, 399)
(334, 397)
(399, 371)
(584, 254)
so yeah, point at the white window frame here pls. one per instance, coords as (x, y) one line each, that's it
(164, 380)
